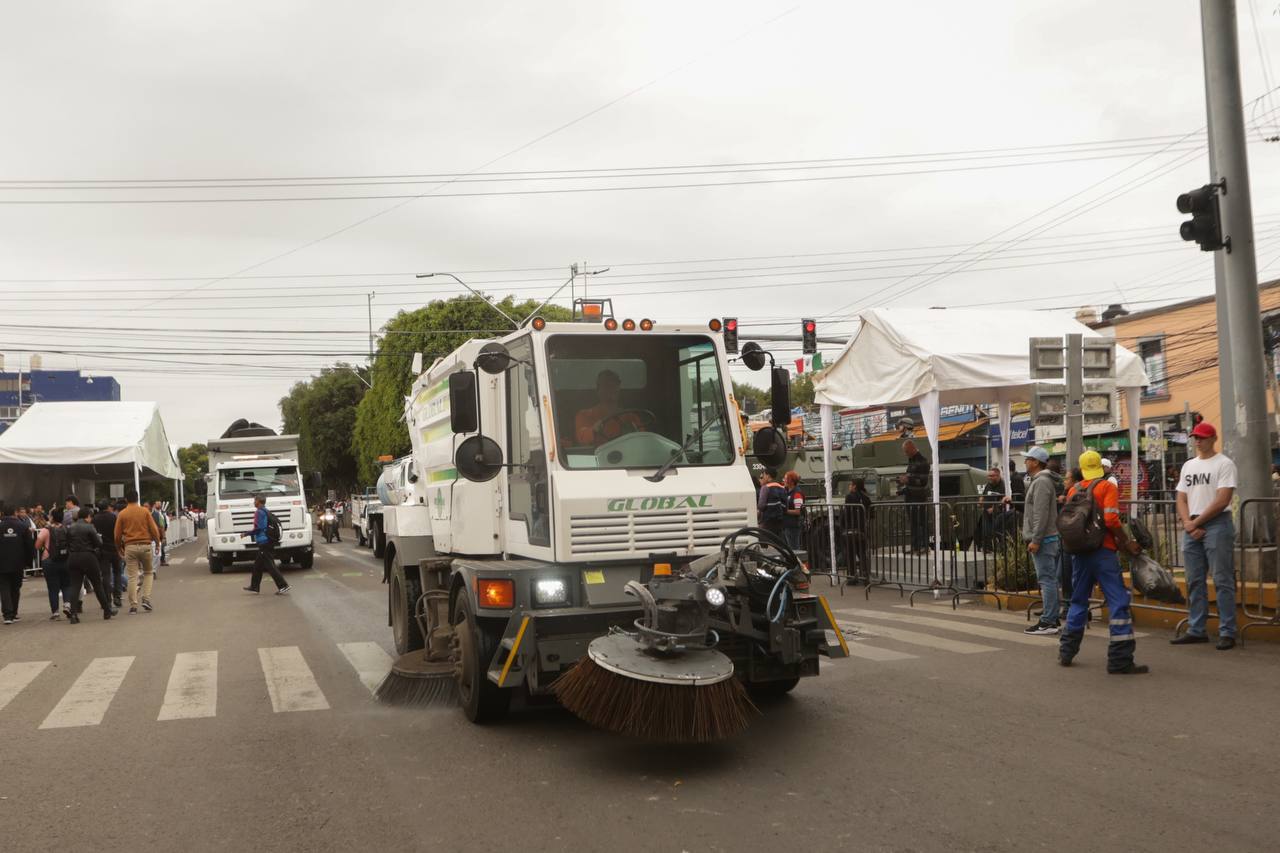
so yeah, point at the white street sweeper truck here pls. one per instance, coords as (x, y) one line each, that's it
(576, 520)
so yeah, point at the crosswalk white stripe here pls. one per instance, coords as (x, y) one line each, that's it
(16, 676)
(86, 703)
(290, 683)
(859, 649)
(1003, 617)
(177, 561)
(193, 687)
(369, 660)
(928, 640)
(990, 632)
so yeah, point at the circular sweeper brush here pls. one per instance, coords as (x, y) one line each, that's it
(691, 697)
(418, 682)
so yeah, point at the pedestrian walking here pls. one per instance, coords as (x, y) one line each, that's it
(136, 533)
(793, 512)
(859, 511)
(915, 493)
(110, 566)
(17, 551)
(53, 563)
(266, 539)
(772, 503)
(70, 510)
(162, 524)
(83, 546)
(1206, 485)
(1040, 531)
(1090, 528)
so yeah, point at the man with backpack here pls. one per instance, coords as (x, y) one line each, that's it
(772, 503)
(793, 511)
(1090, 530)
(266, 535)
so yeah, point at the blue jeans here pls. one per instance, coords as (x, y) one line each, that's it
(1046, 563)
(793, 537)
(1212, 553)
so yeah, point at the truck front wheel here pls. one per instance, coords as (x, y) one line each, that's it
(215, 564)
(482, 700)
(307, 560)
(404, 590)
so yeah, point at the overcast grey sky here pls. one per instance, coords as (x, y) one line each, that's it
(1100, 99)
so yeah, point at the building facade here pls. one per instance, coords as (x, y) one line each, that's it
(19, 389)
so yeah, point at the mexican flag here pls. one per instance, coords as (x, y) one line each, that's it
(809, 364)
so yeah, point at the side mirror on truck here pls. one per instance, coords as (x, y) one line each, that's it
(752, 355)
(770, 446)
(780, 394)
(493, 358)
(464, 401)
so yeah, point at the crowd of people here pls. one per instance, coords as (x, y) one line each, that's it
(111, 549)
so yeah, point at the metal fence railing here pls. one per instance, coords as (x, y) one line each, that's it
(1257, 524)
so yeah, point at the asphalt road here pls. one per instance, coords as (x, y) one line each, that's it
(944, 732)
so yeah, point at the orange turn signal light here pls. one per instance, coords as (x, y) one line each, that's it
(646, 325)
(496, 592)
(592, 309)
(714, 325)
(663, 569)
(628, 325)
(611, 324)
(538, 324)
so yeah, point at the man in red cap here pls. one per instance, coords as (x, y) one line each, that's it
(1205, 488)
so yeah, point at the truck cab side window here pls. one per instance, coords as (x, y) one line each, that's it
(527, 498)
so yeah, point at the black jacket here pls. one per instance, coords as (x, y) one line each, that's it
(105, 524)
(918, 483)
(17, 546)
(81, 537)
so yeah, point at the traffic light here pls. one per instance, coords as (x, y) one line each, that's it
(1204, 226)
(731, 334)
(809, 336)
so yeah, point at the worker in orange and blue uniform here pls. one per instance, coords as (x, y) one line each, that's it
(1102, 567)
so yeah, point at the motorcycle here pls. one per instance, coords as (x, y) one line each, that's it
(329, 525)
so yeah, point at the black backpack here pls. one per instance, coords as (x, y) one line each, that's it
(1080, 524)
(775, 503)
(273, 529)
(58, 543)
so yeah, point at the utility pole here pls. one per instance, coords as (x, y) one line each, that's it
(1250, 437)
(369, 301)
(1075, 399)
(1226, 385)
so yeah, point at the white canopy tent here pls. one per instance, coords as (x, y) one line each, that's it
(939, 357)
(55, 448)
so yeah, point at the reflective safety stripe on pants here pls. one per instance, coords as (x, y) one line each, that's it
(1101, 567)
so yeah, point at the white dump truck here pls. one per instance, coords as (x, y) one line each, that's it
(242, 467)
(555, 465)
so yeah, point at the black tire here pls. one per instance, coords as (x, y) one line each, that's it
(379, 541)
(773, 688)
(403, 593)
(308, 560)
(360, 540)
(482, 700)
(215, 565)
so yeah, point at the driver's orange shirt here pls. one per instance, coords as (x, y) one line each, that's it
(585, 421)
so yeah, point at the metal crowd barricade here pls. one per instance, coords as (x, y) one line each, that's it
(1257, 525)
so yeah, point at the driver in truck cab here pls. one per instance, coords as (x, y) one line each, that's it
(605, 420)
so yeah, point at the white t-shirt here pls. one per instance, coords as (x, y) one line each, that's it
(1201, 478)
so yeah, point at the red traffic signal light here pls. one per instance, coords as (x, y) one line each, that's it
(731, 334)
(809, 336)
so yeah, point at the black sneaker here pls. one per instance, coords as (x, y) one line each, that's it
(146, 604)
(250, 589)
(1188, 639)
(132, 610)
(1131, 669)
(283, 590)
(1042, 629)
(1226, 643)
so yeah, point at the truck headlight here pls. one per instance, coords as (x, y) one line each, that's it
(550, 591)
(715, 596)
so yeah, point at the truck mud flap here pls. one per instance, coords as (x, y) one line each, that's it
(827, 620)
(519, 644)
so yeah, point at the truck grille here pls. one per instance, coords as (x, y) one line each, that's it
(680, 530)
(242, 519)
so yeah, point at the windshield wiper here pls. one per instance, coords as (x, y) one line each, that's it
(657, 476)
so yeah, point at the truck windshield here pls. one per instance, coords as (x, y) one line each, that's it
(631, 401)
(247, 482)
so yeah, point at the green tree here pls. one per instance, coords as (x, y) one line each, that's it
(802, 390)
(322, 412)
(194, 462)
(433, 330)
(759, 397)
